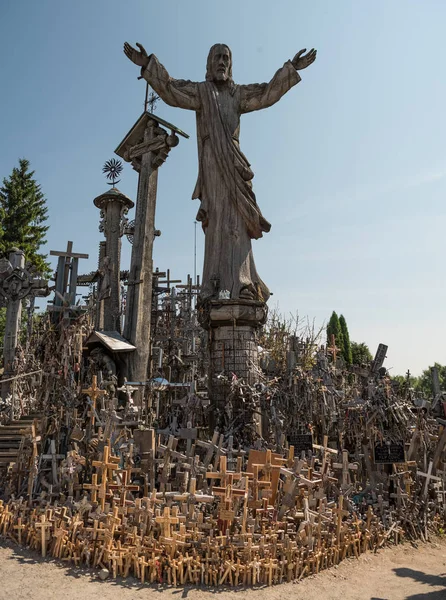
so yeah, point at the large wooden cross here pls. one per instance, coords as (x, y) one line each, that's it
(68, 261)
(53, 457)
(125, 485)
(166, 521)
(346, 467)
(428, 477)
(94, 488)
(107, 463)
(333, 349)
(340, 513)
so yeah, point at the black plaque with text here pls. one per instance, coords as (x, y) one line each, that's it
(301, 442)
(389, 453)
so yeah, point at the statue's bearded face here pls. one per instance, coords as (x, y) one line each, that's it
(221, 63)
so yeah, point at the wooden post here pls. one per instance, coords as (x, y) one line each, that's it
(146, 147)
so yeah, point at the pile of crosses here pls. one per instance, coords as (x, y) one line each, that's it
(344, 462)
(185, 510)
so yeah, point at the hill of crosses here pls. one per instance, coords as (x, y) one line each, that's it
(174, 431)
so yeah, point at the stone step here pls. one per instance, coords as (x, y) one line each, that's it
(30, 417)
(16, 428)
(6, 454)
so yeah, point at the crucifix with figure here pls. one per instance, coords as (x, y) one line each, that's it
(16, 284)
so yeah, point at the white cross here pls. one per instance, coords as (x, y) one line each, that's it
(428, 476)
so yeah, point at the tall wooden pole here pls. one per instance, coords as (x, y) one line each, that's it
(139, 294)
(146, 147)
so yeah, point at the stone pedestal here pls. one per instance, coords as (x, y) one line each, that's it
(233, 347)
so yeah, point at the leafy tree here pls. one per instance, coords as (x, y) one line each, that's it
(346, 346)
(334, 328)
(423, 383)
(361, 354)
(23, 213)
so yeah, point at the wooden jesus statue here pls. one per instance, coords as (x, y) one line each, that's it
(228, 212)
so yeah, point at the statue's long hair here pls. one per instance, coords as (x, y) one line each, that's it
(209, 74)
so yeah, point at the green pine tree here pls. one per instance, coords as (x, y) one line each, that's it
(24, 209)
(346, 347)
(334, 328)
(2, 220)
(361, 354)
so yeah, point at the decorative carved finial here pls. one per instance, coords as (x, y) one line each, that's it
(112, 169)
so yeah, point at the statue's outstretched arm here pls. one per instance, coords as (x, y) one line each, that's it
(262, 95)
(175, 92)
(302, 60)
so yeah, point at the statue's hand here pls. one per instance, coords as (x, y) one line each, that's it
(302, 60)
(139, 58)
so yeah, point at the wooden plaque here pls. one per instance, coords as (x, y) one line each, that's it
(226, 515)
(389, 453)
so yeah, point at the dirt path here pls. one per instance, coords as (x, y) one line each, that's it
(402, 573)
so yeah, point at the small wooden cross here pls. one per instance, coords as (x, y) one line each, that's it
(258, 488)
(400, 496)
(19, 527)
(44, 525)
(326, 451)
(213, 446)
(94, 487)
(166, 521)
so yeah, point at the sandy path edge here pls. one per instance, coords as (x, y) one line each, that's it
(396, 573)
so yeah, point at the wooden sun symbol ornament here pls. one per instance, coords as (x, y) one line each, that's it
(112, 169)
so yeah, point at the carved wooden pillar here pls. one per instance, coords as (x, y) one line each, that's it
(146, 146)
(114, 206)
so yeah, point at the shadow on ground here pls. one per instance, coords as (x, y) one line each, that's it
(431, 580)
(25, 556)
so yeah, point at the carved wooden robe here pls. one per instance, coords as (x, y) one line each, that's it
(228, 212)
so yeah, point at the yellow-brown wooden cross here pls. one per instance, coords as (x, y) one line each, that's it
(93, 392)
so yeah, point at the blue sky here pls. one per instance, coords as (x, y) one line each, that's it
(350, 166)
